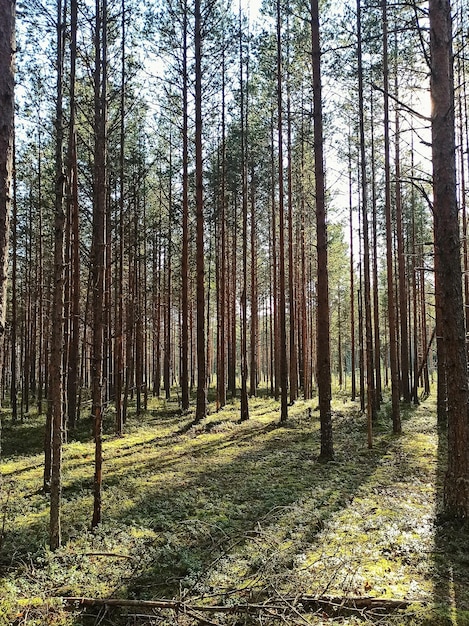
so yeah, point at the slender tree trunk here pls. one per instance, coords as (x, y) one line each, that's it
(369, 353)
(98, 247)
(244, 185)
(293, 360)
(274, 264)
(14, 304)
(323, 323)
(167, 335)
(201, 407)
(7, 82)
(119, 340)
(447, 251)
(73, 359)
(376, 324)
(74, 271)
(55, 366)
(353, 365)
(402, 278)
(395, 396)
(254, 343)
(281, 242)
(222, 296)
(185, 227)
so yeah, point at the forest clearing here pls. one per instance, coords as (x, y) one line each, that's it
(233, 515)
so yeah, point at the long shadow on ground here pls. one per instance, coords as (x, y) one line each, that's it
(202, 498)
(235, 488)
(451, 557)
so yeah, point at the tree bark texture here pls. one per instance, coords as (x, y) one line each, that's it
(448, 255)
(323, 321)
(201, 406)
(55, 367)
(7, 83)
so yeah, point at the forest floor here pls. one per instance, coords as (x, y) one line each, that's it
(236, 523)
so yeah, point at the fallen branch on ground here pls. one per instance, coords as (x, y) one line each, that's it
(305, 603)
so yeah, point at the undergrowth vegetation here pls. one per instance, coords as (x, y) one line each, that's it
(235, 514)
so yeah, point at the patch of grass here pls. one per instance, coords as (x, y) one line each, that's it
(227, 512)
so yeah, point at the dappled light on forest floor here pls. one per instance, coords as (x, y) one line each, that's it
(228, 513)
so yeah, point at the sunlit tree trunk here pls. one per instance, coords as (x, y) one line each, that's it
(201, 406)
(447, 251)
(323, 323)
(283, 369)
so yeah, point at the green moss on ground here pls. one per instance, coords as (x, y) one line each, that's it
(225, 512)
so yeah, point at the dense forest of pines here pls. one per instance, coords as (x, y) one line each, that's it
(212, 203)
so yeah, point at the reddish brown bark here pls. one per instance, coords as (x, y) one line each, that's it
(323, 324)
(448, 260)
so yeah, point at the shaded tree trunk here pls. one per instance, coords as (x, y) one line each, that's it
(7, 82)
(98, 248)
(55, 366)
(185, 227)
(395, 395)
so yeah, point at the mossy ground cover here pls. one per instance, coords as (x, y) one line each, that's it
(227, 513)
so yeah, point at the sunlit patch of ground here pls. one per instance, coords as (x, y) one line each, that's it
(229, 513)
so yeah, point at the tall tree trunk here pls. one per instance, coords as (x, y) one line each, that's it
(55, 366)
(401, 265)
(98, 246)
(323, 323)
(254, 341)
(281, 241)
(293, 362)
(244, 190)
(185, 227)
(74, 271)
(201, 406)
(369, 353)
(168, 255)
(274, 264)
(353, 366)
(395, 395)
(222, 296)
(7, 86)
(447, 251)
(119, 340)
(14, 304)
(376, 291)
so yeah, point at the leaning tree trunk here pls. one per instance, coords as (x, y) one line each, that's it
(448, 257)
